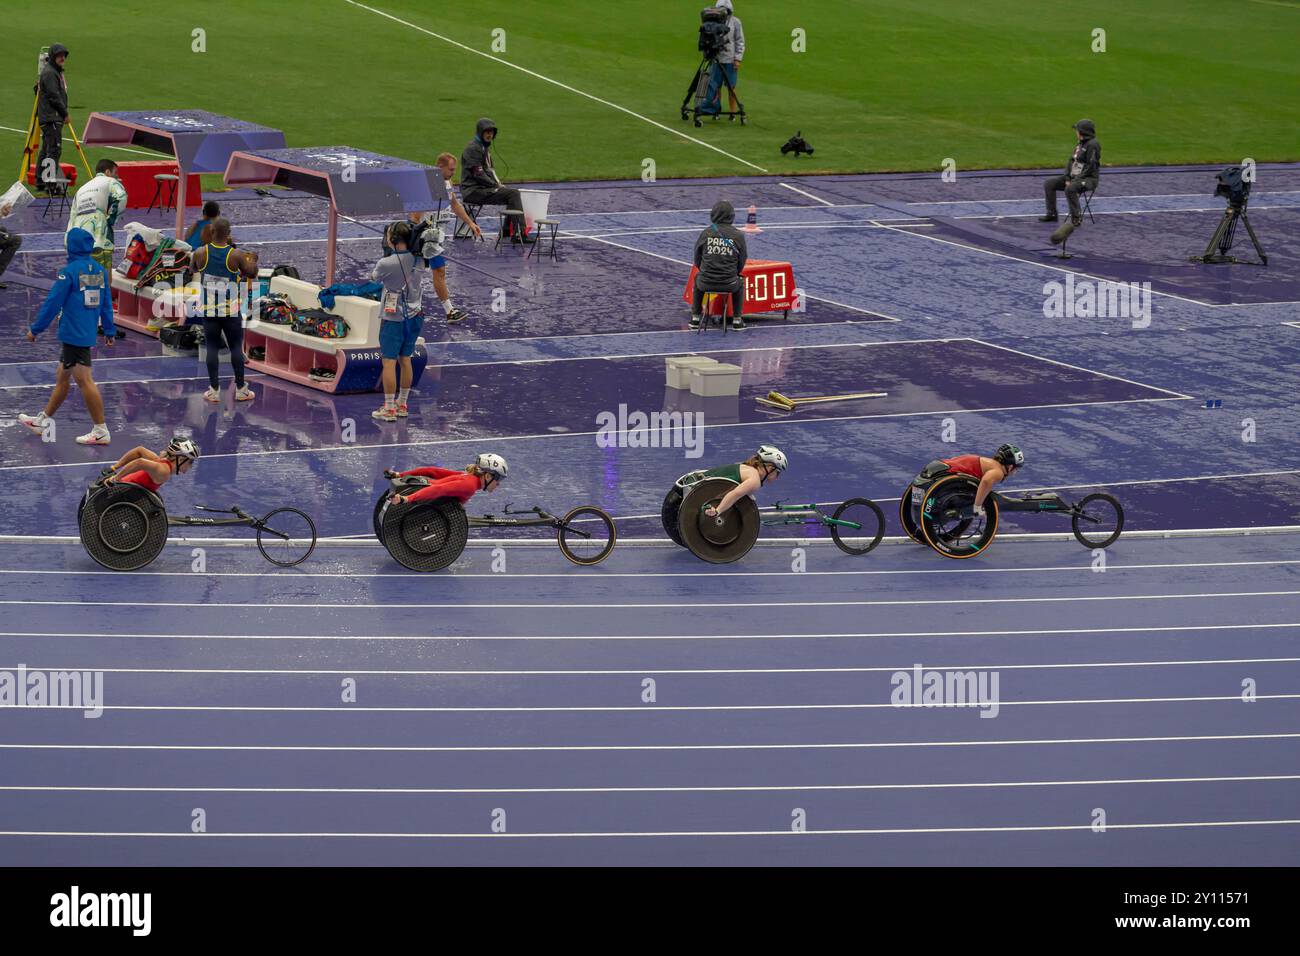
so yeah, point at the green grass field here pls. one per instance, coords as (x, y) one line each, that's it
(888, 85)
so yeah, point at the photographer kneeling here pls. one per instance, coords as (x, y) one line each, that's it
(720, 255)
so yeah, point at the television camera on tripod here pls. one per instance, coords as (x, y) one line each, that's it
(715, 34)
(1234, 186)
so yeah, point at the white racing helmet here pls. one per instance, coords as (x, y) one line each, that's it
(494, 465)
(183, 449)
(773, 456)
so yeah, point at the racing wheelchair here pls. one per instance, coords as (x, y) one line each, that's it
(430, 535)
(856, 525)
(948, 524)
(124, 527)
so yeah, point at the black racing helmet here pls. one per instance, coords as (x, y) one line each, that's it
(1009, 455)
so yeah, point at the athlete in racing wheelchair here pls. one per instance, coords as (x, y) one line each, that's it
(712, 512)
(990, 471)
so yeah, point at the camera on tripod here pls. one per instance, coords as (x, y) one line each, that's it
(714, 31)
(715, 35)
(1233, 186)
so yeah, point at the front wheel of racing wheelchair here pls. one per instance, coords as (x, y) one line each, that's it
(948, 523)
(123, 527)
(1097, 520)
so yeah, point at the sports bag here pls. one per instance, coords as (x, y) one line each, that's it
(278, 310)
(185, 337)
(320, 324)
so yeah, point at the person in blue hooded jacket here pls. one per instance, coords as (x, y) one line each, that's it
(81, 299)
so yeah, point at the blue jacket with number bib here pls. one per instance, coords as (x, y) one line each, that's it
(81, 282)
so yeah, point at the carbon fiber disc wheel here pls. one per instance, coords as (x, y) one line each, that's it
(425, 535)
(123, 527)
(717, 540)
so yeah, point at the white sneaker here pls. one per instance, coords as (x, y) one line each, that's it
(212, 395)
(36, 423)
(96, 436)
(245, 394)
(385, 414)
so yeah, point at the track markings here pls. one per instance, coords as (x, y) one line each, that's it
(760, 788)
(615, 672)
(678, 605)
(568, 575)
(694, 638)
(583, 748)
(613, 834)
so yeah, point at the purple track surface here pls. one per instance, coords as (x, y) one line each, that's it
(519, 697)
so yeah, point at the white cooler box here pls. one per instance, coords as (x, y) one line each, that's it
(679, 368)
(716, 380)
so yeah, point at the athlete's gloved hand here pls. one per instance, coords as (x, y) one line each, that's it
(978, 511)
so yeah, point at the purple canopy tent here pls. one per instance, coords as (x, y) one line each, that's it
(201, 142)
(355, 182)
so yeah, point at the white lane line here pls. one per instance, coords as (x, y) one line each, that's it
(808, 194)
(510, 748)
(129, 381)
(963, 202)
(1036, 264)
(759, 788)
(719, 349)
(774, 227)
(121, 149)
(99, 360)
(1120, 212)
(460, 638)
(683, 262)
(1237, 305)
(568, 575)
(640, 709)
(677, 605)
(611, 834)
(612, 672)
(563, 86)
(1161, 481)
(1080, 368)
(703, 209)
(767, 425)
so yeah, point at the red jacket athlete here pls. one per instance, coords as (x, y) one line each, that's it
(486, 474)
(989, 471)
(152, 470)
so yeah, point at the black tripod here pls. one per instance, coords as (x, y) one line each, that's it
(699, 89)
(1226, 235)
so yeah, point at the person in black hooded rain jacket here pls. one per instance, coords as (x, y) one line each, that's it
(51, 113)
(479, 183)
(1082, 170)
(720, 255)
